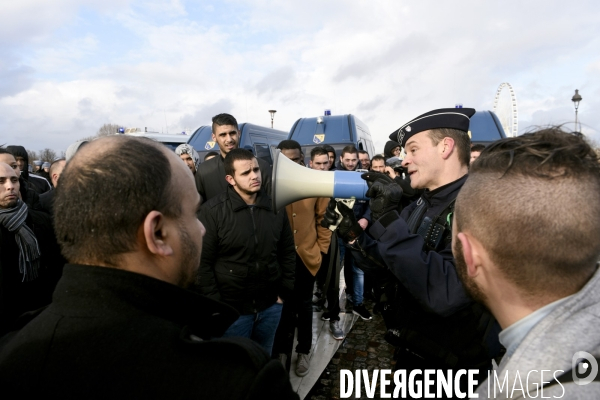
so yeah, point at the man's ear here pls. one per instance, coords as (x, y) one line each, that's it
(213, 137)
(230, 180)
(447, 147)
(471, 249)
(157, 235)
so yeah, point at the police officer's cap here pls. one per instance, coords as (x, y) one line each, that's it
(38, 163)
(453, 118)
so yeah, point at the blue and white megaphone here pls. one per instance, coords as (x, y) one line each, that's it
(291, 182)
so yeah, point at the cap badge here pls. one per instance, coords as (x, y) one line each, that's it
(408, 129)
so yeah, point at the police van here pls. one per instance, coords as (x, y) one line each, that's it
(168, 139)
(337, 131)
(261, 141)
(485, 128)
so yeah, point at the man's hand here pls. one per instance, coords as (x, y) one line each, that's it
(349, 229)
(385, 194)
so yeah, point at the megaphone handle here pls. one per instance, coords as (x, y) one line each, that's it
(347, 202)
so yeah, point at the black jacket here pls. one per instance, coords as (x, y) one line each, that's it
(16, 296)
(248, 253)
(431, 298)
(113, 334)
(210, 177)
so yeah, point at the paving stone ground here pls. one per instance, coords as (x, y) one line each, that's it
(363, 348)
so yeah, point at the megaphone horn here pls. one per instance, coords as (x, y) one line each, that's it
(291, 182)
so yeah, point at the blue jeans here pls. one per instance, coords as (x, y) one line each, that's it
(354, 276)
(260, 327)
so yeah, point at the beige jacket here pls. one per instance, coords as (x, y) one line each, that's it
(310, 237)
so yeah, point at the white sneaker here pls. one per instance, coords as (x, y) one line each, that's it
(302, 364)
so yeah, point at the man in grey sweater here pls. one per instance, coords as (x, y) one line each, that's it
(526, 243)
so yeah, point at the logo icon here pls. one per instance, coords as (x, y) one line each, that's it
(318, 139)
(585, 368)
(209, 145)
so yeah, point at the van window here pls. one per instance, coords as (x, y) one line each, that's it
(261, 150)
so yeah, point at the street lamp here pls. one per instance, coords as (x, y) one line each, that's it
(576, 99)
(273, 115)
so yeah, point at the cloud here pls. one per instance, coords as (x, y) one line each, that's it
(174, 64)
(14, 79)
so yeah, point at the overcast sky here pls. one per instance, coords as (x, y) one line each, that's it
(69, 66)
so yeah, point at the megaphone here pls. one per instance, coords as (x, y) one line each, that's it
(291, 182)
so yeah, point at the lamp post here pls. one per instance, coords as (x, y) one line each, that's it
(273, 116)
(576, 99)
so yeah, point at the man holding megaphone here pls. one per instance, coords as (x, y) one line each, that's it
(430, 318)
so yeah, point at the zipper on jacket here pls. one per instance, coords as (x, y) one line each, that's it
(255, 247)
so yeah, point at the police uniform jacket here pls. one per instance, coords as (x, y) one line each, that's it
(431, 301)
(248, 254)
(114, 334)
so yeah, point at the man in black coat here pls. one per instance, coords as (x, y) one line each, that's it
(430, 317)
(121, 324)
(210, 177)
(30, 264)
(249, 258)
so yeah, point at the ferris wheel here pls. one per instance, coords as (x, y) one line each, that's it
(505, 107)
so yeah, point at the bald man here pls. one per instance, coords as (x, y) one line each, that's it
(121, 324)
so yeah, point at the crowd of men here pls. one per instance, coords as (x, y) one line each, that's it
(175, 277)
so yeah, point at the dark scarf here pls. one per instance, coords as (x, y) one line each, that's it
(13, 219)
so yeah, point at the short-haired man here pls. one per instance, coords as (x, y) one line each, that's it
(248, 259)
(354, 276)
(28, 271)
(378, 163)
(363, 157)
(312, 242)
(189, 156)
(121, 324)
(431, 319)
(476, 150)
(210, 179)
(28, 194)
(535, 267)
(37, 183)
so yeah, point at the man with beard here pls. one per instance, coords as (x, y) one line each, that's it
(210, 179)
(354, 276)
(312, 243)
(526, 245)
(431, 320)
(121, 324)
(249, 257)
(189, 156)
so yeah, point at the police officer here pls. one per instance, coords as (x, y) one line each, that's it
(430, 318)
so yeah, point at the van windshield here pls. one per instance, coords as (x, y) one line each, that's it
(202, 140)
(335, 130)
(484, 129)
